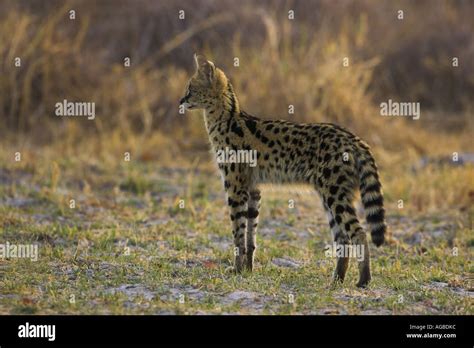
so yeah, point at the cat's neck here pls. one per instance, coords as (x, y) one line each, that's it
(223, 109)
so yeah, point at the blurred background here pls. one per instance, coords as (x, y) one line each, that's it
(282, 62)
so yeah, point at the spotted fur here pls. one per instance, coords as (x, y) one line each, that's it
(330, 158)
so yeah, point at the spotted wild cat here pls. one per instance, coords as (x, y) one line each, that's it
(328, 157)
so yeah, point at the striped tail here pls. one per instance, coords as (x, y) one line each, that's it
(371, 193)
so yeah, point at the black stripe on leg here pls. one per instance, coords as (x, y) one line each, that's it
(240, 214)
(252, 213)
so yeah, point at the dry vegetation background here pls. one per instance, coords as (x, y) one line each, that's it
(282, 62)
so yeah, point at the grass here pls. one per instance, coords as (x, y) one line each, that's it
(128, 248)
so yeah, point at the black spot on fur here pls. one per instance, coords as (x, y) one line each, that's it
(236, 129)
(251, 125)
(326, 173)
(350, 210)
(341, 179)
(241, 214)
(252, 213)
(330, 201)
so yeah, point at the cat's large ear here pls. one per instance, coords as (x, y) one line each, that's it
(205, 67)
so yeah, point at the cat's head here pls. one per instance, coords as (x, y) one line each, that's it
(205, 87)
